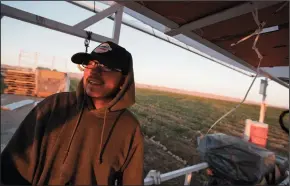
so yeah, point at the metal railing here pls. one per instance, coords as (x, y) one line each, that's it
(154, 177)
(286, 181)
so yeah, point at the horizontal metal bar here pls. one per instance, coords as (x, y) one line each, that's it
(48, 23)
(89, 7)
(177, 173)
(84, 5)
(99, 16)
(286, 181)
(222, 16)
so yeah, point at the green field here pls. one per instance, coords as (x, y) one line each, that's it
(175, 120)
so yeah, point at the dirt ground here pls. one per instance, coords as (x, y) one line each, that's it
(10, 120)
(174, 120)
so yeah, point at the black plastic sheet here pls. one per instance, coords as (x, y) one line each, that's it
(234, 159)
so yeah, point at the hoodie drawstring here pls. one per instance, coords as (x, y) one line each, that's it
(102, 137)
(102, 143)
(74, 131)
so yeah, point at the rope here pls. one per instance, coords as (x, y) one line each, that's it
(87, 40)
(257, 32)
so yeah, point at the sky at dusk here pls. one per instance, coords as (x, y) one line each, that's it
(155, 62)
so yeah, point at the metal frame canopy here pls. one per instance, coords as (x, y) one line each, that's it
(207, 26)
(213, 26)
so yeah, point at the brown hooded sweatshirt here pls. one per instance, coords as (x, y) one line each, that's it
(65, 140)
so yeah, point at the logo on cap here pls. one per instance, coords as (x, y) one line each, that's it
(103, 48)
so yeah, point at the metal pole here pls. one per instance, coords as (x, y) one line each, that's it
(263, 90)
(66, 66)
(174, 174)
(52, 63)
(117, 25)
(35, 60)
(19, 58)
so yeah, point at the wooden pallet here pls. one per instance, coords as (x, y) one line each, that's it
(22, 93)
(8, 67)
(19, 81)
(14, 72)
(18, 85)
(19, 89)
(9, 81)
(24, 81)
(19, 76)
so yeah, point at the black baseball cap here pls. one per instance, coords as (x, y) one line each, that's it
(109, 54)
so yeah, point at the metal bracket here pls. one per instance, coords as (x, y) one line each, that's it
(263, 86)
(155, 175)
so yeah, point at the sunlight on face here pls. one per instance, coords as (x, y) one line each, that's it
(101, 82)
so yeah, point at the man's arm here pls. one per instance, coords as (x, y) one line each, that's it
(133, 173)
(19, 158)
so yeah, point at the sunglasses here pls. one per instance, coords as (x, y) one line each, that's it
(96, 64)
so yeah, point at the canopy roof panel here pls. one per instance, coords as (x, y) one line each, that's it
(206, 28)
(218, 24)
(186, 11)
(273, 45)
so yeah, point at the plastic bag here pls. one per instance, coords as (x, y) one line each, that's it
(234, 159)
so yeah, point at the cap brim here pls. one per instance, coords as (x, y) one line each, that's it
(82, 58)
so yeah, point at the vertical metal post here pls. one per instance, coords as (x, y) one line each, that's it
(52, 63)
(37, 71)
(35, 60)
(117, 25)
(19, 58)
(263, 90)
(187, 179)
(65, 67)
(2, 17)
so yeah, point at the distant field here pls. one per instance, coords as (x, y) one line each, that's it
(174, 120)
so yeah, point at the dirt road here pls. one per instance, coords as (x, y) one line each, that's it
(10, 120)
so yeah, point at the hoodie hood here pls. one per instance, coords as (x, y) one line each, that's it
(124, 98)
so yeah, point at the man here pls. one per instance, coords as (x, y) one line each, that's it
(87, 137)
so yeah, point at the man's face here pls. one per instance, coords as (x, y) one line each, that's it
(100, 81)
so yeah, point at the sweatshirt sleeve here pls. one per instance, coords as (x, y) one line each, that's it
(19, 158)
(133, 173)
